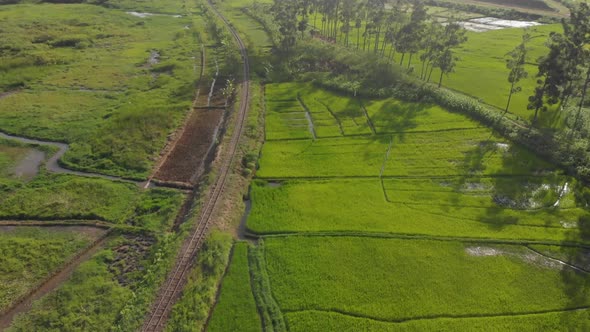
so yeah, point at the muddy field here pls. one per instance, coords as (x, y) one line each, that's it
(186, 161)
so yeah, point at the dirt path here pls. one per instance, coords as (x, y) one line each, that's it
(171, 290)
(52, 165)
(51, 283)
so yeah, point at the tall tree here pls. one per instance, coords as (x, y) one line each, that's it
(376, 12)
(453, 35)
(516, 66)
(565, 70)
(285, 15)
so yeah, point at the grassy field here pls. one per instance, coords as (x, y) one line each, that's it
(481, 71)
(308, 206)
(429, 279)
(110, 292)
(27, 255)
(53, 196)
(331, 321)
(112, 84)
(359, 212)
(336, 115)
(449, 153)
(236, 309)
(464, 152)
(456, 180)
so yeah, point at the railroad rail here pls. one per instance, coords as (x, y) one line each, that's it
(172, 287)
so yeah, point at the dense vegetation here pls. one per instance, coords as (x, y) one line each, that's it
(191, 312)
(99, 296)
(352, 71)
(111, 84)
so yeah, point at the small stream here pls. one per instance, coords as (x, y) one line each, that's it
(52, 164)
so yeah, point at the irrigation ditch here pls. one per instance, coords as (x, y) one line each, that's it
(53, 163)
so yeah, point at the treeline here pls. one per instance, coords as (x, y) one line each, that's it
(404, 29)
(564, 73)
(365, 68)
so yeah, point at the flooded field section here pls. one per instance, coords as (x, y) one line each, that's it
(484, 24)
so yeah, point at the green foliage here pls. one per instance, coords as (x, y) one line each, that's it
(28, 255)
(156, 209)
(236, 310)
(57, 197)
(191, 311)
(54, 196)
(94, 299)
(145, 289)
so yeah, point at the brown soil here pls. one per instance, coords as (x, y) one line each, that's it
(128, 257)
(217, 99)
(186, 161)
(201, 100)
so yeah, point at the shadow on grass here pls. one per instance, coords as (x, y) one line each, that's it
(517, 181)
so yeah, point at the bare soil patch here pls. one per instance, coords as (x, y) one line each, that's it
(128, 257)
(187, 161)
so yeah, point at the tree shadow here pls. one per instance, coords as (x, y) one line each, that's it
(514, 180)
(394, 117)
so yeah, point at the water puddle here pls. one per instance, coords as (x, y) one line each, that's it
(483, 251)
(154, 58)
(28, 167)
(484, 24)
(274, 184)
(523, 253)
(242, 228)
(145, 15)
(562, 192)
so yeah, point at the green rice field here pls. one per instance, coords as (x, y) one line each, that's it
(382, 215)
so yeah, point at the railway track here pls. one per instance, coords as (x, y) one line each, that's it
(172, 288)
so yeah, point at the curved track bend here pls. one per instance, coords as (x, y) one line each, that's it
(172, 287)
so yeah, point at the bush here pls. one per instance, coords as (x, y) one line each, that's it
(70, 41)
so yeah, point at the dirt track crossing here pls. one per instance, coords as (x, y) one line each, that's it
(172, 287)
